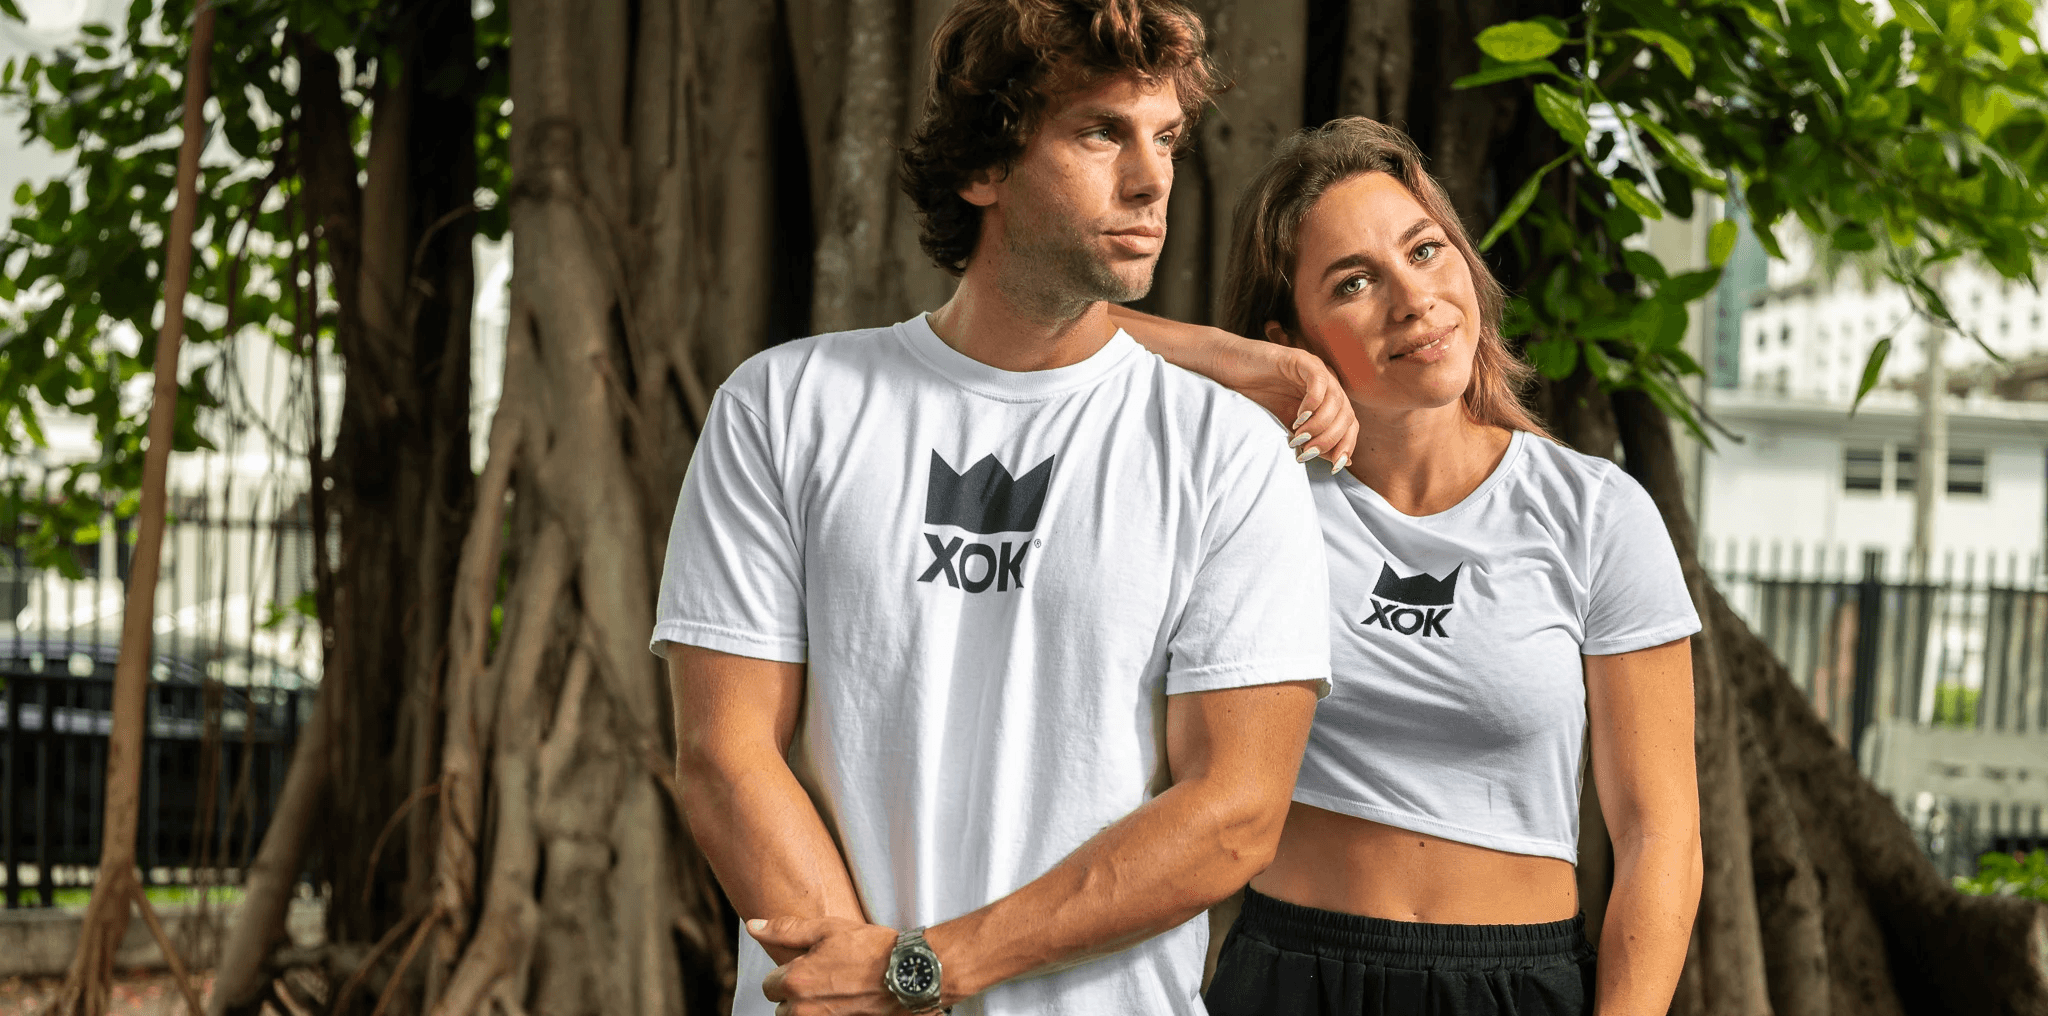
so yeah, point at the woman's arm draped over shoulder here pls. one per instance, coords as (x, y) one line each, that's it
(1292, 384)
(1639, 708)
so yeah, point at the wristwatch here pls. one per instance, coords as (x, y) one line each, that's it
(913, 973)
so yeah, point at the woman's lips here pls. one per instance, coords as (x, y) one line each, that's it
(1430, 348)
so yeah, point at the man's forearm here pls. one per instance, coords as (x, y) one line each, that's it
(1648, 924)
(1138, 878)
(765, 840)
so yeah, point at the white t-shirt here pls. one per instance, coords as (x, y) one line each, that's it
(1461, 701)
(996, 579)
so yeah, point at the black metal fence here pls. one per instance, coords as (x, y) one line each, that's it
(1964, 647)
(231, 682)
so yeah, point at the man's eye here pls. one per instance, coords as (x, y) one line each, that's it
(1102, 133)
(1351, 286)
(1167, 140)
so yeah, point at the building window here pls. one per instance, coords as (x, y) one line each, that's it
(1784, 379)
(1863, 469)
(1966, 472)
(1785, 335)
(1760, 335)
(1905, 469)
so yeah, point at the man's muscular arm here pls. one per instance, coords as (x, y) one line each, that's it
(756, 825)
(1233, 755)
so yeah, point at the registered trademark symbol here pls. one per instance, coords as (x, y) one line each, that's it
(1038, 543)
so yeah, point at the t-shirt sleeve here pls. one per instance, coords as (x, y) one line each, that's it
(1636, 591)
(1258, 609)
(733, 580)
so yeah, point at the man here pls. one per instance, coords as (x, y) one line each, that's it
(995, 639)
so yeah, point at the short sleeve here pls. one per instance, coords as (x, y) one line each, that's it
(1636, 592)
(1258, 608)
(733, 580)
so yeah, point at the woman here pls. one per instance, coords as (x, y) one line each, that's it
(1498, 599)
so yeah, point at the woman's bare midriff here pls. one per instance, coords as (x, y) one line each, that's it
(1354, 866)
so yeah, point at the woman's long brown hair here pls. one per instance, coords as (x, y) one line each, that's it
(1265, 244)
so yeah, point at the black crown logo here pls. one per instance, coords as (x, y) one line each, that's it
(1419, 591)
(985, 499)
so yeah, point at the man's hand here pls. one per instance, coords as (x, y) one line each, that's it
(839, 972)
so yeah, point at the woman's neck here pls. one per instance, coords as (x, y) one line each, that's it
(1426, 461)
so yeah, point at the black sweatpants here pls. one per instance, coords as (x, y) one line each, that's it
(1283, 959)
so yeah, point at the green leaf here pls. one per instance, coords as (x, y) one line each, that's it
(1677, 154)
(96, 30)
(1515, 41)
(1854, 236)
(1563, 113)
(1677, 52)
(1644, 265)
(1634, 200)
(1520, 202)
(1871, 369)
(1689, 286)
(12, 10)
(1497, 72)
(23, 193)
(1721, 242)
(1556, 357)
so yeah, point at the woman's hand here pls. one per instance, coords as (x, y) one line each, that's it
(1299, 388)
(1292, 384)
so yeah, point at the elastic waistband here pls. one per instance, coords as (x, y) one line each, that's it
(1353, 938)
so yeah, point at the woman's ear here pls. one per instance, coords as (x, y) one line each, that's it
(1279, 335)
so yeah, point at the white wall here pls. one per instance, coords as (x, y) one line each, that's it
(1783, 485)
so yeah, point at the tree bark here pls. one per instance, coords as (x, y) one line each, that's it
(117, 888)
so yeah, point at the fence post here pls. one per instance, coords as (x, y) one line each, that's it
(1869, 619)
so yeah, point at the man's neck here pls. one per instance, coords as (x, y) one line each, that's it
(1011, 331)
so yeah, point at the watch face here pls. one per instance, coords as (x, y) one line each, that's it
(915, 974)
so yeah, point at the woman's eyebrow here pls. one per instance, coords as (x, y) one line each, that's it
(1348, 262)
(1361, 259)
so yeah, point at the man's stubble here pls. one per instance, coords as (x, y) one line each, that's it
(1054, 263)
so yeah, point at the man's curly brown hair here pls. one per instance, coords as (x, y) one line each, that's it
(997, 65)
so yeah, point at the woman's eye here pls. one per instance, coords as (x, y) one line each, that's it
(1428, 251)
(1352, 286)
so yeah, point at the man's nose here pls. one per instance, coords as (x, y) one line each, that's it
(1148, 175)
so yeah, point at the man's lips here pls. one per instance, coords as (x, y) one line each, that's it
(1428, 348)
(1138, 239)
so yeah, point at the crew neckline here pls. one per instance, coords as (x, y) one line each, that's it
(1357, 490)
(1012, 385)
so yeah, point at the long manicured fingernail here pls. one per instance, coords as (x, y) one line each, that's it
(1303, 418)
(756, 924)
(1338, 466)
(1308, 453)
(1299, 440)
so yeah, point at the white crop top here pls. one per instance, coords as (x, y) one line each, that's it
(1460, 699)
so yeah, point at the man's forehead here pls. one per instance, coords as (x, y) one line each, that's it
(1126, 95)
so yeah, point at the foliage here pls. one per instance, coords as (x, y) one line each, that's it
(1921, 136)
(81, 260)
(1955, 705)
(2015, 874)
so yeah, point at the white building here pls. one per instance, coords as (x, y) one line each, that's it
(1807, 476)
